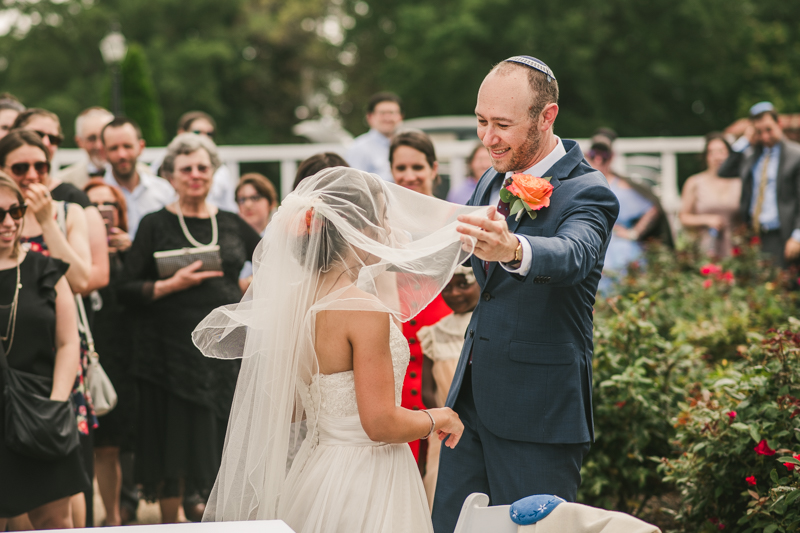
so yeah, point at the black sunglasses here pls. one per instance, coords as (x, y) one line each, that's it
(16, 212)
(55, 140)
(209, 134)
(20, 169)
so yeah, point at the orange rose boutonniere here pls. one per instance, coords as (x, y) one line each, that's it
(524, 193)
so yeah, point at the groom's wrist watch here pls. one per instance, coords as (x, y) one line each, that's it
(515, 263)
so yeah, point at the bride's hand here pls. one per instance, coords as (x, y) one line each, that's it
(448, 425)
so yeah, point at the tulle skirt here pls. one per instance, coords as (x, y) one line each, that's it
(342, 482)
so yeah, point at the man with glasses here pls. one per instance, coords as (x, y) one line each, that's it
(370, 151)
(223, 183)
(88, 126)
(144, 192)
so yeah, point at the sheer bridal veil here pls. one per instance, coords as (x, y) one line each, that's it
(344, 240)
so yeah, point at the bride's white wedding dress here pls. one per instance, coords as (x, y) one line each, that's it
(343, 482)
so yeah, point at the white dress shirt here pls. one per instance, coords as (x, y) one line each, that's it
(536, 170)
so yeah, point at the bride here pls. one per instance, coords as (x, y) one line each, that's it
(347, 257)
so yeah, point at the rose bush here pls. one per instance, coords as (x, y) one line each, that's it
(659, 342)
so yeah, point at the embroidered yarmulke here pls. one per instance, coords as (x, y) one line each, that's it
(533, 508)
(533, 63)
(761, 107)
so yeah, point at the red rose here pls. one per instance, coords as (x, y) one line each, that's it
(736, 251)
(727, 277)
(762, 448)
(620, 405)
(720, 526)
(732, 415)
(751, 480)
(710, 268)
(707, 284)
(755, 241)
(532, 190)
(792, 466)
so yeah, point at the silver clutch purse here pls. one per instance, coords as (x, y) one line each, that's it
(170, 261)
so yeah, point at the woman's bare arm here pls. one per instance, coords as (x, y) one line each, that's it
(67, 343)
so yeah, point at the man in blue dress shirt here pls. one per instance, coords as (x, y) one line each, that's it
(770, 173)
(370, 151)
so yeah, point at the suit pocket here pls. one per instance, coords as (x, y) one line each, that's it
(542, 354)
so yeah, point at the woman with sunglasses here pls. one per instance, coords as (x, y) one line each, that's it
(48, 127)
(60, 230)
(41, 339)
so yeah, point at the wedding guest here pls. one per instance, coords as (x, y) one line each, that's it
(112, 341)
(315, 163)
(224, 184)
(769, 170)
(10, 108)
(60, 230)
(144, 192)
(478, 162)
(710, 204)
(257, 199)
(370, 151)
(88, 125)
(42, 340)
(442, 343)
(641, 216)
(184, 398)
(413, 162)
(48, 126)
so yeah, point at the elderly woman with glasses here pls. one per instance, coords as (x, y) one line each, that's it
(184, 398)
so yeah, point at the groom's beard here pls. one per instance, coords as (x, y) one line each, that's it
(522, 155)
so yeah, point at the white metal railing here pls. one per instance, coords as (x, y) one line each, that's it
(452, 156)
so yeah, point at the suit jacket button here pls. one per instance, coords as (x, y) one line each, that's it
(471, 333)
(487, 296)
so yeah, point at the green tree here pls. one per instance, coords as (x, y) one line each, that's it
(139, 99)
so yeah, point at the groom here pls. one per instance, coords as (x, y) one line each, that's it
(523, 386)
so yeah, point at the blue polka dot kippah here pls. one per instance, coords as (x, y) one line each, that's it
(533, 63)
(533, 508)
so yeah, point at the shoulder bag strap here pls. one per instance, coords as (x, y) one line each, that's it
(83, 323)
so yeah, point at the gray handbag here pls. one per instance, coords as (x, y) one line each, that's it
(170, 261)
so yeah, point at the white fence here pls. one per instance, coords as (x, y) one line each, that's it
(662, 152)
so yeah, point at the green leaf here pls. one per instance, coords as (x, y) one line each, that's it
(754, 434)
(516, 207)
(774, 476)
(506, 195)
(792, 496)
(533, 214)
(740, 426)
(548, 178)
(788, 460)
(771, 528)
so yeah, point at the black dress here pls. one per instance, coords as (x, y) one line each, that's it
(26, 483)
(184, 398)
(113, 340)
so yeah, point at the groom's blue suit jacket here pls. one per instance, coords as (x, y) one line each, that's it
(531, 336)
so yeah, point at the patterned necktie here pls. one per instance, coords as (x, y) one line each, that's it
(504, 209)
(762, 188)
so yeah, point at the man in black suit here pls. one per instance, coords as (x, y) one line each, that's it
(770, 173)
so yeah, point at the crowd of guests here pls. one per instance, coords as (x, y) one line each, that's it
(138, 255)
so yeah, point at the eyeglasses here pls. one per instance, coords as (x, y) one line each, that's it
(110, 204)
(209, 134)
(20, 169)
(244, 199)
(54, 140)
(200, 168)
(16, 212)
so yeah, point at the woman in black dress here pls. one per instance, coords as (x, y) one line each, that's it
(41, 338)
(184, 398)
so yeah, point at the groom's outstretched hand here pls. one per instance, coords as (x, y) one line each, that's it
(494, 241)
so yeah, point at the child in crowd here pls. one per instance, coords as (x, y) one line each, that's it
(442, 343)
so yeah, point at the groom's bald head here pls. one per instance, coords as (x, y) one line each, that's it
(543, 89)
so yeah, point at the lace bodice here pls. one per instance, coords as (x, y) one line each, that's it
(336, 393)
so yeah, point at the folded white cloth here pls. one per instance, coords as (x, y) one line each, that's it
(577, 518)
